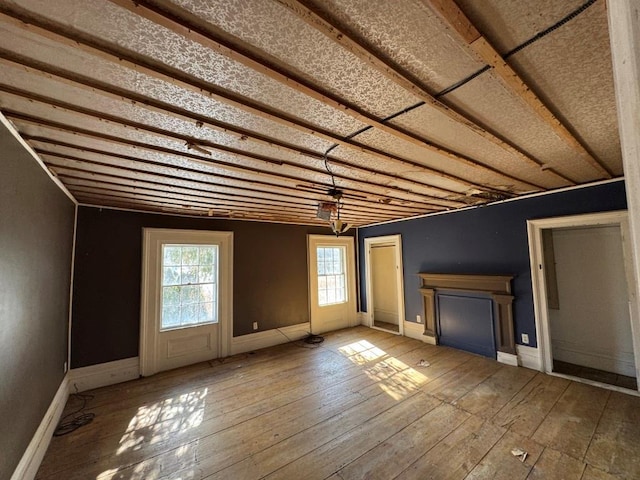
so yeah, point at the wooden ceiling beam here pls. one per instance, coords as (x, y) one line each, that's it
(85, 180)
(308, 205)
(182, 22)
(456, 19)
(162, 207)
(71, 174)
(177, 192)
(354, 215)
(198, 143)
(168, 172)
(77, 184)
(180, 201)
(23, 19)
(307, 12)
(148, 103)
(172, 173)
(349, 191)
(246, 209)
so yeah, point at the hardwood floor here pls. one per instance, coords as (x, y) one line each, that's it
(356, 407)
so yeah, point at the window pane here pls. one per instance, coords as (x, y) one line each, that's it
(189, 255)
(172, 255)
(331, 275)
(205, 312)
(171, 296)
(171, 276)
(189, 314)
(205, 274)
(207, 256)
(190, 290)
(205, 293)
(189, 275)
(171, 316)
(322, 297)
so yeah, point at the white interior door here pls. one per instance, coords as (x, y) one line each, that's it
(186, 298)
(332, 291)
(384, 284)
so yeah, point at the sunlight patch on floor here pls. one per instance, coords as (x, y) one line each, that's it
(361, 352)
(395, 378)
(157, 422)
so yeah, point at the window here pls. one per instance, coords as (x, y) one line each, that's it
(331, 275)
(189, 285)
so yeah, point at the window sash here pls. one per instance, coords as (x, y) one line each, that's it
(185, 299)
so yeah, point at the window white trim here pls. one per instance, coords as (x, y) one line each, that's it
(153, 239)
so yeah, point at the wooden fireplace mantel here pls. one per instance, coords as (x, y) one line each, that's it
(498, 286)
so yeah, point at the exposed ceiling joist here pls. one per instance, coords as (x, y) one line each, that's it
(81, 184)
(455, 18)
(183, 22)
(365, 185)
(203, 188)
(167, 173)
(204, 146)
(47, 71)
(143, 168)
(152, 206)
(73, 168)
(235, 109)
(309, 14)
(154, 69)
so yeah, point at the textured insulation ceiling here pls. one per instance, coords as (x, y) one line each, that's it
(259, 109)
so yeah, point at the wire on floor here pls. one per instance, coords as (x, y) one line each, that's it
(76, 419)
(310, 341)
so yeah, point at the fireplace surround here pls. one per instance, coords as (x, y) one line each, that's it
(495, 287)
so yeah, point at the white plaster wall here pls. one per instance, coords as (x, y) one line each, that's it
(592, 327)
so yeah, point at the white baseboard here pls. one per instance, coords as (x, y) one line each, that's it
(622, 363)
(507, 358)
(33, 455)
(416, 330)
(529, 357)
(103, 374)
(269, 338)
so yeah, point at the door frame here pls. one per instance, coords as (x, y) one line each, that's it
(396, 242)
(153, 238)
(540, 303)
(350, 260)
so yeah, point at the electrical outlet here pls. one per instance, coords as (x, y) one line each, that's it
(418, 319)
(525, 338)
(255, 325)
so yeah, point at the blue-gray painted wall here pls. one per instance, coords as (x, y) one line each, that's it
(485, 240)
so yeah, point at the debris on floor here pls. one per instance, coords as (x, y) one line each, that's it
(423, 363)
(519, 453)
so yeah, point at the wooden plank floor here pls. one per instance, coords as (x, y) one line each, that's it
(357, 407)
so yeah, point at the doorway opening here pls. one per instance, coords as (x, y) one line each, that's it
(586, 326)
(385, 288)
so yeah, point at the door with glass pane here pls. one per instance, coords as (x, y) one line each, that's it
(331, 283)
(186, 297)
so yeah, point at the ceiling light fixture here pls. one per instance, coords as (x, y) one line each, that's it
(337, 226)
